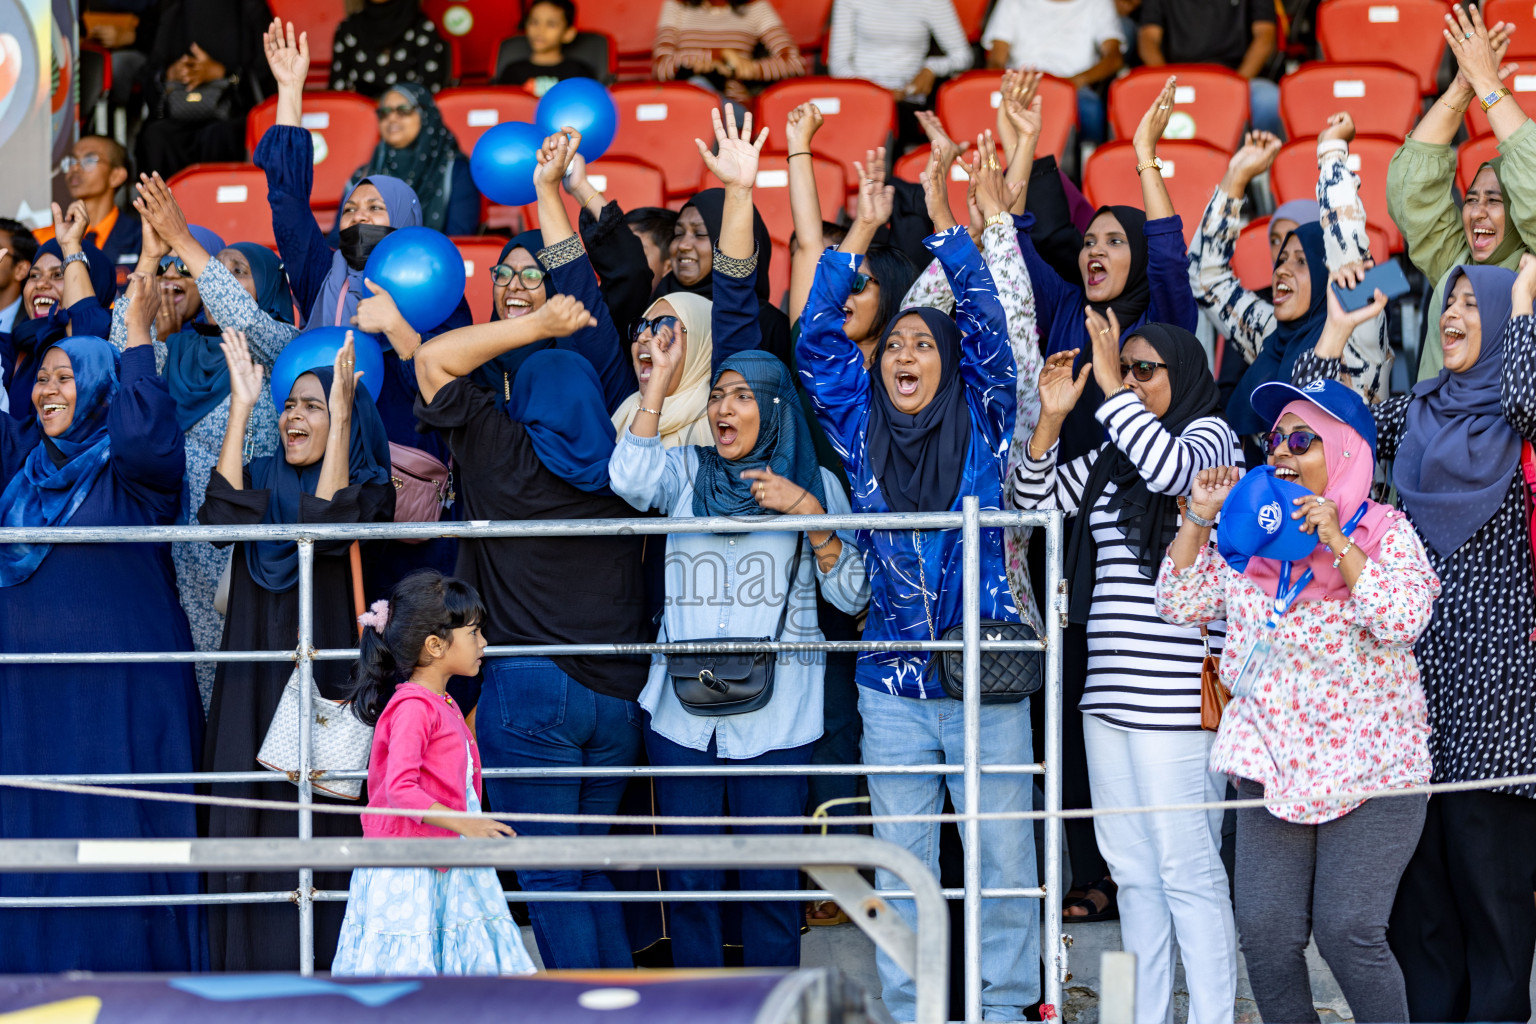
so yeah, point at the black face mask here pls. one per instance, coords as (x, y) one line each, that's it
(358, 241)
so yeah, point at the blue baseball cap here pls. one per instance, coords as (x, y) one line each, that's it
(1341, 402)
(1256, 520)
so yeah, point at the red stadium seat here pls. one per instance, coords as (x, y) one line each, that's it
(1191, 170)
(657, 125)
(859, 115)
(471, 110)
(1472, 155)
(807, 21)
(1250, 259)
(1521, 14)
(1210, 103)
(629, 182)
(968, 106)
(631, 23)
(1522, 89)
(319, 19)
(229, 199)
(771, 193)
(1382, 99)
(778, 274)
(1294, 176)
(1404, 33)
(973, 17)
(473, 30)
(479, 254)
(345, 130)
(910, 167)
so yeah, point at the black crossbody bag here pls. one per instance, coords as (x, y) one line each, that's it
(731, 682)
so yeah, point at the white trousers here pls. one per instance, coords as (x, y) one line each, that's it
(1172, 886)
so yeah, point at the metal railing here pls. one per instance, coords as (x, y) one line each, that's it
(970, 521)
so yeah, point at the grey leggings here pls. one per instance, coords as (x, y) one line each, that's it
(1337, 881)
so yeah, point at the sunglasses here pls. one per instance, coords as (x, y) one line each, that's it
(860, 282)
(88, 162)
(1142, 369)
(502, 274)
(402, 109)
(1297, 441)
(654, 326)
(172, 261)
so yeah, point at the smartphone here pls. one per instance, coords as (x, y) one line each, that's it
(1388, 277)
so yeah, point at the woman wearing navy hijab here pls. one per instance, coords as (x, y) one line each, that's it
(332, 467)
(104, 450)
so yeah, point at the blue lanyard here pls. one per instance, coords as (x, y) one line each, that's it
(1286, 594)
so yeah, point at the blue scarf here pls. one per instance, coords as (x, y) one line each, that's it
(498, 373)
(45, 494)
(274, 565)
(557, 396)
(1458, 452)
(1288, 341)
(345, 284)
(783, 443)
(919, 459)
(195, 371)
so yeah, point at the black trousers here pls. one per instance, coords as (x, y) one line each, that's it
(1464, 924)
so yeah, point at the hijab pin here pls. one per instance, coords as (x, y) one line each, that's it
(775, 401)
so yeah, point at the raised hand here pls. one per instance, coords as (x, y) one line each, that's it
(935, 182)
(1106, 349)
(69, 225)
(159, 210)
(876, 197)
(245, 374)
(801, 126)
(286, 56)
(735, 159)
(554, 157)
(942, 146)
(1253, 158)
(1211, 488)
(1155, 121)
(1341, 127)
(1059, 388)
(143, 298)
(1523, 293)
(343, 383)
(993, 193)
(1472, 44)
(562, 316)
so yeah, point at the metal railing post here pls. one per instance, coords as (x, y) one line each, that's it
(306, 664)
(1055, 621)
(970, 540)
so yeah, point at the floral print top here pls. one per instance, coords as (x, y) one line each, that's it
(1337, 706)
(1000, 250)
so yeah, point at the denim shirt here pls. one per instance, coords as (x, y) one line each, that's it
(722, 585)
(915, 575)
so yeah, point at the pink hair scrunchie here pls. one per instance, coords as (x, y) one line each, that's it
(376, 616)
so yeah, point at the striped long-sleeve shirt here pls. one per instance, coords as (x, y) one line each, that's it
(1142, 672)
(887, 41)
(691, 38)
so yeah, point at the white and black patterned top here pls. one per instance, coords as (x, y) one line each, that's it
(1477, 656)
(1143, 673)
(420, 56)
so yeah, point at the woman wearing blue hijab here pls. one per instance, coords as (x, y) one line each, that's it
(242, 288)
(333, 467)
(103, 450)
(762, 460)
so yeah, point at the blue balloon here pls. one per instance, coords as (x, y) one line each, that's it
(423, 272)
(583, 104)
(318, 347)
(504, 161)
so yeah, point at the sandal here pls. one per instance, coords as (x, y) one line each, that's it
(1098, 903)
(824, 914)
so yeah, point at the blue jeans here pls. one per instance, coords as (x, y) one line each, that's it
(1092, 123)
(533, 715)
(770, 930)
(900, 730)
(1264, 106)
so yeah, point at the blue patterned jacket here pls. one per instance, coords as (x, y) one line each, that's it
(900, 561)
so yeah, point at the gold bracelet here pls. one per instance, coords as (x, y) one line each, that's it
(1459, 110)
(1146, 164)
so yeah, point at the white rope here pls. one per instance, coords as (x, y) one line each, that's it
(786, 820)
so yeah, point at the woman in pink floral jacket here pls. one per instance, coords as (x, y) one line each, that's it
(1333, 706)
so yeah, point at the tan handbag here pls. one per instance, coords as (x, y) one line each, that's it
(1213, 692)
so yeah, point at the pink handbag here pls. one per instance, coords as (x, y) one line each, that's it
(423, 485)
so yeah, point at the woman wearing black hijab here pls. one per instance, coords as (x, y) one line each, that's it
(1141, 702)
(387, 42)
(206, 52)
(694, 241)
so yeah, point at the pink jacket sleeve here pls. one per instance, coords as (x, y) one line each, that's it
(405, 747)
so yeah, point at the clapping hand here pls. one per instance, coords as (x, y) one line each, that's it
(1059, 388)
(735, 159)
(159, 210)
(993, 194)
(1476, 48)
(143, 298)
(1106, 349)
(245, 374)
(343, 384)
(1211, 488)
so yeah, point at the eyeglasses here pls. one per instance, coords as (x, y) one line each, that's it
(654, 326)
(1142, 369)
(860, 282)
(172, 261)
(502, 274)
(401, 109)
(89, 162)
(1297, 441)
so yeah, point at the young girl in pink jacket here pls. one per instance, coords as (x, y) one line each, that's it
(415, 922)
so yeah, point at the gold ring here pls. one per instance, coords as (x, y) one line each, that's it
(1104, 331)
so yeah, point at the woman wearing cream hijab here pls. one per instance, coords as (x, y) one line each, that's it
(679, 319)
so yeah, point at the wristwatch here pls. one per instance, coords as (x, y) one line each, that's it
(999, 218)
(76, 257)
(1494, 97)
(1154, 162)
